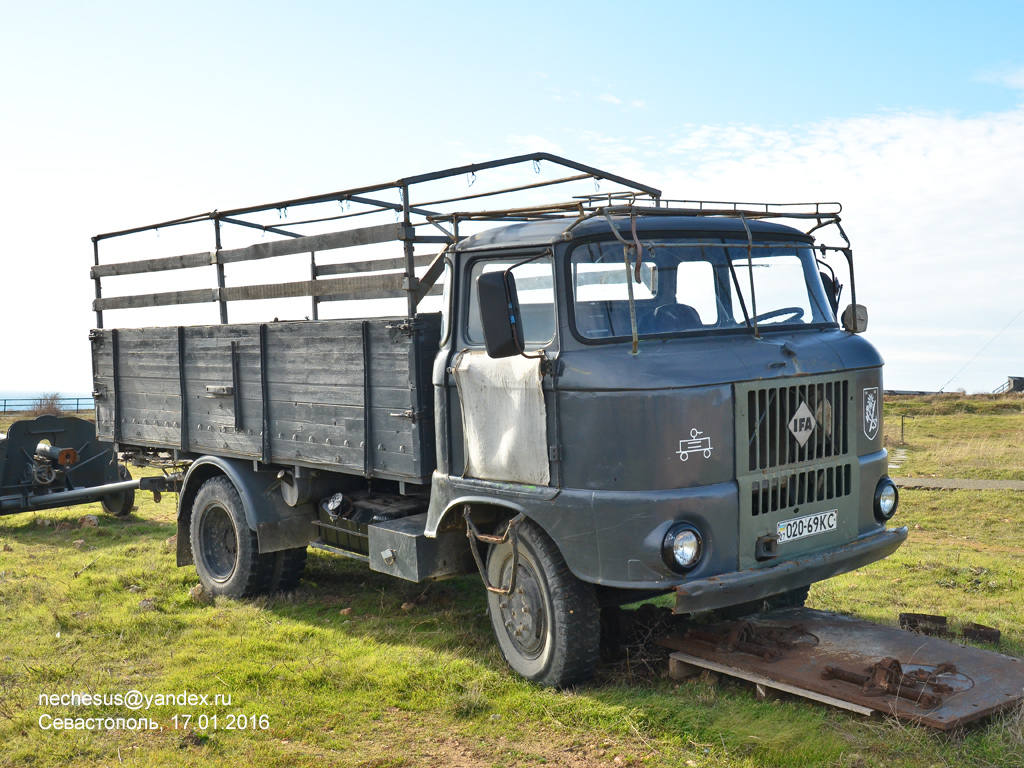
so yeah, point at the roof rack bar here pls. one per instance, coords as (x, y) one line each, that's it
(347, 194)
(502, 213)
(536, 185)
(697, 212)
(735, 205)
(244, 223)
(162, 225)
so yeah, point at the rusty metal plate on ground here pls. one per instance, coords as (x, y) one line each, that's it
(855, 664)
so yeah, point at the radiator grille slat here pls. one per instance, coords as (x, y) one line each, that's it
(769, 411)
(785, 491)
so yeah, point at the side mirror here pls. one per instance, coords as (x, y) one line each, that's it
(499, 314)
(855, 318)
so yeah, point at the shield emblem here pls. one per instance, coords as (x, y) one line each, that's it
(871, 413)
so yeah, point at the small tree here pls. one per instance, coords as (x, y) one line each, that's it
(46, 405)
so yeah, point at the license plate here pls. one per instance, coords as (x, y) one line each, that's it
(809, 525)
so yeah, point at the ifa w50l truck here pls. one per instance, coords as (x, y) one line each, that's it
(614, 397)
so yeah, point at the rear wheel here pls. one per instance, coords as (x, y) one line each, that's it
(548, 628)
(224, 548)
(120, 504)
(288, 567)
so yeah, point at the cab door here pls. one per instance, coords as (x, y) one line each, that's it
(499, 408)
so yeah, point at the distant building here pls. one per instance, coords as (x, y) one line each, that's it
(1013, 384)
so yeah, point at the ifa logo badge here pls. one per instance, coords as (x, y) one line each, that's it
(802, 424)
(871, 419)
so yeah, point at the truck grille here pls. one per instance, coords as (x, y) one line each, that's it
(792, 489)
(771, 444)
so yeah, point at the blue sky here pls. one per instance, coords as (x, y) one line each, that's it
(912, 114)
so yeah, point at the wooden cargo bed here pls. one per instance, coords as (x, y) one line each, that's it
(352, 396)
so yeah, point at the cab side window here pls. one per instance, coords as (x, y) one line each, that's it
(535, 286)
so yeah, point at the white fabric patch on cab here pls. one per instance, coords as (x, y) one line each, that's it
(503, 418)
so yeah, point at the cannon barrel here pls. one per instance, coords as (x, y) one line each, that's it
(63, 456)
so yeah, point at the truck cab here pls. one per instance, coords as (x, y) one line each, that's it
(697, 421)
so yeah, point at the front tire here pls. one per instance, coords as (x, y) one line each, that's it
(224, 548)
(548, 628)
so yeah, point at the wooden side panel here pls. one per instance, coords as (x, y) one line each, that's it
(315, 375)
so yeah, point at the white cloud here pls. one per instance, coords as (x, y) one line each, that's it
(1011, 78)
(931, 203)
(609, 98)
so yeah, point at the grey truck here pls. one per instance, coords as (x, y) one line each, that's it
(590, 401)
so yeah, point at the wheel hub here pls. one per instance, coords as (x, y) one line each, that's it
(522, 612)
(219, 547)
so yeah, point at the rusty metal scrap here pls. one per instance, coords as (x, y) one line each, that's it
(886, 677)
(856, 664)
(767, 643)
(938, 626)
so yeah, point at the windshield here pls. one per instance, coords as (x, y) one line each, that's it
(689, 286)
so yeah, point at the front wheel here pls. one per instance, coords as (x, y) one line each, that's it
(224, 548)
(548, 627)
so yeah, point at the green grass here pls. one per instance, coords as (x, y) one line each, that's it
(347, 677)
(977, 437)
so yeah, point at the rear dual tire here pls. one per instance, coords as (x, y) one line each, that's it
(226, 551)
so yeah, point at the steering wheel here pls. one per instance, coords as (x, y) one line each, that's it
(675, 317)
(788, 313)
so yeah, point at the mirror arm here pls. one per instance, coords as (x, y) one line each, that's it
(508, 292)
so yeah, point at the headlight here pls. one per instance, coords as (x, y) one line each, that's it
(887, 498)
(682, 547)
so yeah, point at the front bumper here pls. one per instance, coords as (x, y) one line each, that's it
(757, 583)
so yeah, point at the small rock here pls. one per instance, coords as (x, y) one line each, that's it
(89, 521)
(147, 604)
(78, 543)
(61, 527)
(618, 760)
(134, 588)
(495, 716)
(345, 611)
(408, 606)
(8, 548)
(600, 753)
(190, 739)
(199, 594)
(172, 543)
(44, 522)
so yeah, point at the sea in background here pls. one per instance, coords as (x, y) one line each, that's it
(30, 394)
(22, 399)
